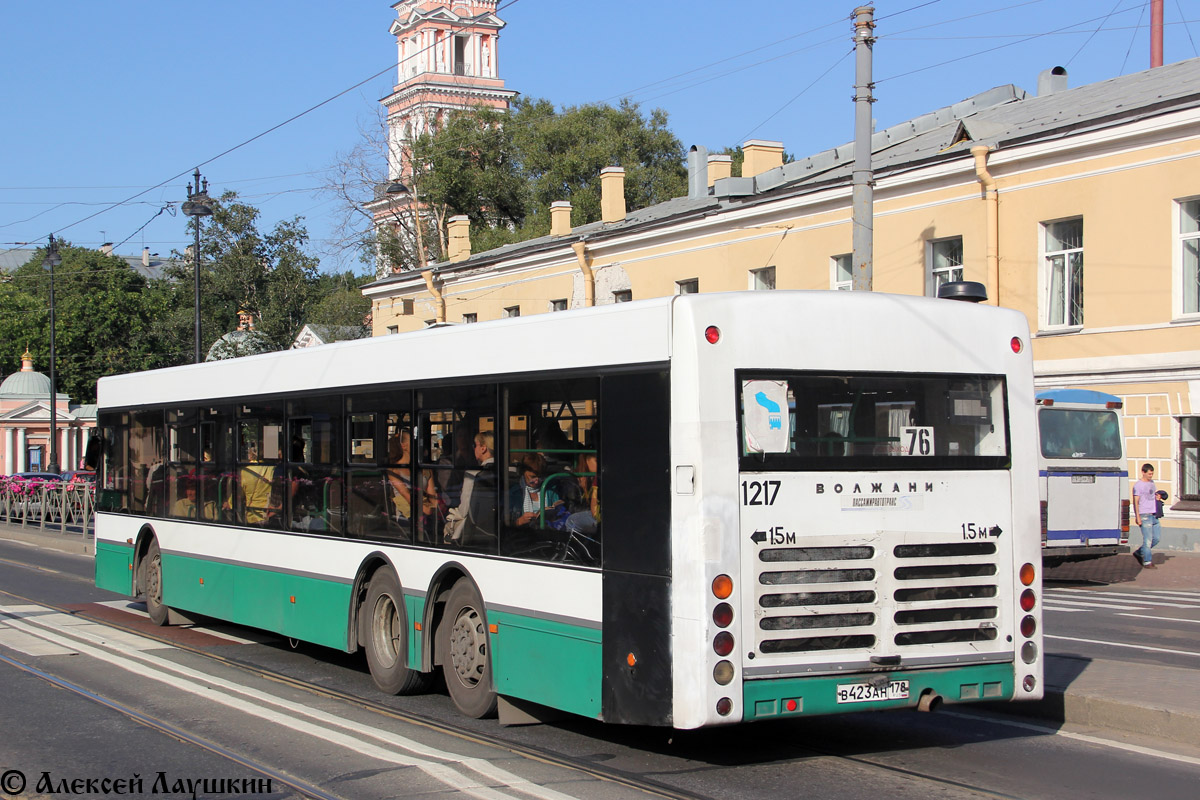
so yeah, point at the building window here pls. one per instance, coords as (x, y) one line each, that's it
(558, 305)
(762, 279)
(944, 259)
(841, 272)
(1064, 272)
(1189, 458)
(1188, 249)
(622, 295)
(469, 318)
(393, 329)
(512, 311)
(429, 323)
(690, 286)
(406, 307)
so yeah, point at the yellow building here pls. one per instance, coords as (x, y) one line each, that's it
(1079, 207)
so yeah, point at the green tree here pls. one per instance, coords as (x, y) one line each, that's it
(504, 170)
(105, 319)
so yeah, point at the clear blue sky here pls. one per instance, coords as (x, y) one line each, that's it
(102, 101)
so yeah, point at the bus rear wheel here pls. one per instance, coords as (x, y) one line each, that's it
(151, 581)
(466, 657)
(387, 637)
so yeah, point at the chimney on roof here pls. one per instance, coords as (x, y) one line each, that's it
(560, 218)
(761, 156)
(1052, 80)
(458, 231)
(106, 248)
(145, 256)
(612, 194)
(697, 166)
(719, 167)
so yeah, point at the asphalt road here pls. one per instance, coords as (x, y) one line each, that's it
(69, 714)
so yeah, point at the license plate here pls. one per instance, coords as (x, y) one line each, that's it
(1083, 479)
(866, 693)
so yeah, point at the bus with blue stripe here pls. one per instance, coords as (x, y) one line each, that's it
(1083, 478)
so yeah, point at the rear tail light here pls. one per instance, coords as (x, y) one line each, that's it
(1113, 404)
(1028, 627)
(1124, 520)
(1028, 600)
(712, 334)
(1027, 574)
(722, 587)
(724, 706)
(723, 672)
(723, 615)
(1015, 344)
(1045, 525)
(723, 643)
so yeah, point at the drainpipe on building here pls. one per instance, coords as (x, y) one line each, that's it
(589, 279)
(991, 196)
(437, 294)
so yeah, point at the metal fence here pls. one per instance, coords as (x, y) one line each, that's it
(53, 505)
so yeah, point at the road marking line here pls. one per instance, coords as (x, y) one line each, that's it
(1108, 606)
(210, 687)
(1047, 607)
(139, 610)
(1121, 597)
(31, 645)
(1168, 619)
(1082, 737)
(1124, 644)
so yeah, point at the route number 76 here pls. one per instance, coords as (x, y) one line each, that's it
(916, 441)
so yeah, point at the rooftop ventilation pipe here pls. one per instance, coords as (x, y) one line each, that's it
(1052, 80)
(991, 196)
(697, 172)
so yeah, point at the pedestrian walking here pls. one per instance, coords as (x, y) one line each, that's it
(1145, 507)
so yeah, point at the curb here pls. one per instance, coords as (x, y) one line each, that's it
(1097, 694)
(77, 544)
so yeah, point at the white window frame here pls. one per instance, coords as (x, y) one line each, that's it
(622, 295)
(834, 283)
(558, 305)
(932, 272)
(762, 280)
(1182, 240)
(1045, 274)
(688, 286)
(470, 318)
(512, 311)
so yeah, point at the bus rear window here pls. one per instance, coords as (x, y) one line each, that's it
(1079, 433)
(804, 421)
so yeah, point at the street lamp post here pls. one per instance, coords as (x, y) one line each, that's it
(52, 260)
(196, 206)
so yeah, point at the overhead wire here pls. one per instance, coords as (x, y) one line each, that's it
(1093, 34)
(1133, 38)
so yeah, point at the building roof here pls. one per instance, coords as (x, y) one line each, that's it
(1000, 117)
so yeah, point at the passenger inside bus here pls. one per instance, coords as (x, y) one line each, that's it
(472, 523)
(529, 503)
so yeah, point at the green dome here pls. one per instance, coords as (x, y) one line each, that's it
(25, 384)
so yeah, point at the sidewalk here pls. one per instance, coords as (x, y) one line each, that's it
(1137, 698)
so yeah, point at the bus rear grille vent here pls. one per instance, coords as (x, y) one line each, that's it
(815, 599)
(816, 576)
(946, 610)
(817, 554)
(815, 643)
(818, 621)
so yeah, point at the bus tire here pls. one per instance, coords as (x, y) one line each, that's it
(387, 637)
(466, 655)
(151, 581)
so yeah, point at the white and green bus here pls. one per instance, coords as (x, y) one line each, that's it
(687, 511)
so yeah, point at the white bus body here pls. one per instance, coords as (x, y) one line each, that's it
(870, 543)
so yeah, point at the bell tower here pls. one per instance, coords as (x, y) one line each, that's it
(446, 61)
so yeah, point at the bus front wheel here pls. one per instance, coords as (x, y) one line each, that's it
(463, 643)
(387, 637)
(152, 584)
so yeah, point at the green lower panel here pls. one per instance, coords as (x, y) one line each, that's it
(786, 697)
(114, 567)
(298, 606)
(414, 607)
(551, 663)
